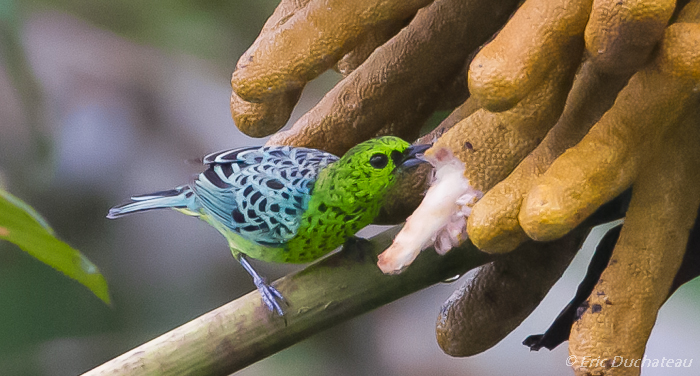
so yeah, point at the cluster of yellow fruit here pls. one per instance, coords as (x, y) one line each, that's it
(568, 105)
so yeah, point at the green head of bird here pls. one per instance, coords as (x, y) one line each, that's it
(366, 171)
(349, 193)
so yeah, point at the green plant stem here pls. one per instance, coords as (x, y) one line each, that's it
(326, 293)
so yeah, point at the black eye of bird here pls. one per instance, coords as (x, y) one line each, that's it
(379, 160)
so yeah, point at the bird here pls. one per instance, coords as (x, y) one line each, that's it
(286, 204)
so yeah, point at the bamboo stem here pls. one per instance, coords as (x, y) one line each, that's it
(328, 292)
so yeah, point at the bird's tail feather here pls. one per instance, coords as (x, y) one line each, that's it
(180, 198)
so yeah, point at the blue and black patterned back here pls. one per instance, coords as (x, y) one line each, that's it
(260, 192)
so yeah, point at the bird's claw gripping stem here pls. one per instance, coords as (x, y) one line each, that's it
(270, 296)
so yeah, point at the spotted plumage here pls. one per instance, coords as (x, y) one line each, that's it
(286, 204)
(260, 193)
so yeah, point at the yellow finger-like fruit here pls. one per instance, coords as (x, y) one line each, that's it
(621, 311)
(400, 84)
(501, 295)
(491, 144)
(263, 119)
(621, 34)
(493, 225)
(610, 156)
(525, 50)
(309, 42)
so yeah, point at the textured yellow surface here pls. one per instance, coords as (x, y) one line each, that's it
(393, 90)
(526, 50)
(481, 313)
(323, 30)
(623, 306)
(572, 102)
(491, 144)
(494, 226)
(621, 34)
(608, 158)
(644, 140)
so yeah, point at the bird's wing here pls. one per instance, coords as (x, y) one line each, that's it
(260, 192)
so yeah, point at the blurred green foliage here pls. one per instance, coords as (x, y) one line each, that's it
(41, 305)
(21, 225)
(209, 29)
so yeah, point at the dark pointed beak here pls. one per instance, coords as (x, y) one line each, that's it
(413, 156)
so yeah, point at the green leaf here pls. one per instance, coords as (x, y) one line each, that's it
(23, 226)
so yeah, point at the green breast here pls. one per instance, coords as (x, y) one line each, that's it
(344, 200)
(325, 227)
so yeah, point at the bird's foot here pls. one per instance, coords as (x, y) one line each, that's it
(270, 296)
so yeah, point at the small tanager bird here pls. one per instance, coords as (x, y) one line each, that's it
(286, 204)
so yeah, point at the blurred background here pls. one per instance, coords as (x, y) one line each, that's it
(103, 99)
